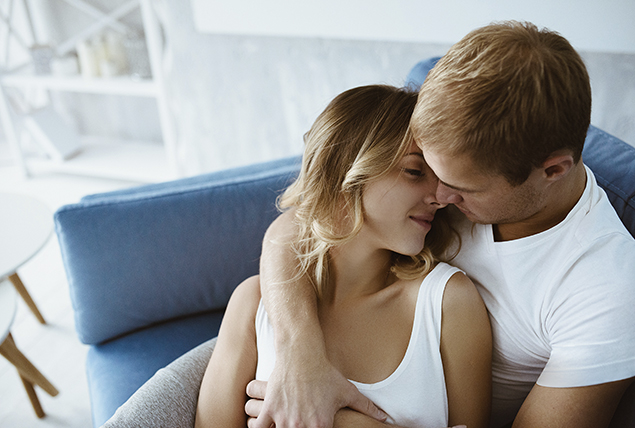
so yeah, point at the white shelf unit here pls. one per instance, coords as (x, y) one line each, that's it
(109, 158)
(119, 85)
(104, 157)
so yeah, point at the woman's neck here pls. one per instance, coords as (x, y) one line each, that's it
(357, 270)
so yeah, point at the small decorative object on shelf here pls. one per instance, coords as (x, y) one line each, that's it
(58, 139)
(66, 65)
(137, 53)
(103, 56)
(42, 56)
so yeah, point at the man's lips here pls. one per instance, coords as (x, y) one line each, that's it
(463, 210)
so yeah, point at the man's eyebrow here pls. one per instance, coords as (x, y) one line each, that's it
(460, 189)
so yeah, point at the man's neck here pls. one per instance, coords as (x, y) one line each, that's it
(558, 205)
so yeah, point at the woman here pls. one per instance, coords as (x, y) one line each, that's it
(410, 331)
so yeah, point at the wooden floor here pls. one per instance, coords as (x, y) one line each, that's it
(53, 348)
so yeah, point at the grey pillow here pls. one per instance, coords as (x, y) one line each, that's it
(168, 399)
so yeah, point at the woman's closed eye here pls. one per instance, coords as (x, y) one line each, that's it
(414, 172)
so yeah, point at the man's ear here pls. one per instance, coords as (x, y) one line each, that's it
(558, 165)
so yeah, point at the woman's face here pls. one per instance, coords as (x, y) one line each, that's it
(399, 207)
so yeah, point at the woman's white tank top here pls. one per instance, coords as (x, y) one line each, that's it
(414, 395)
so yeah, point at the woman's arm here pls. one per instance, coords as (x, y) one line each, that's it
(347, 418)
(304, 388)
(466, 351)
(222, 395)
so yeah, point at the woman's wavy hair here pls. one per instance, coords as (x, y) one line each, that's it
(360, 136)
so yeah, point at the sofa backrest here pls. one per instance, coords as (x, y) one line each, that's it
(137, 257)
(611, 159)
(613, 164)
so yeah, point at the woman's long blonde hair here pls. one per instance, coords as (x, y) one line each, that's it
(360, 136)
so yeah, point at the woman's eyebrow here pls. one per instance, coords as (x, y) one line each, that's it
(415, 154)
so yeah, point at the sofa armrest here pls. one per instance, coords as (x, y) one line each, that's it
(137, 257)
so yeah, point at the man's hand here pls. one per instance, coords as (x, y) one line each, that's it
(309, 398)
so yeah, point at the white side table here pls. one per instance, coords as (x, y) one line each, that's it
(28, 373)
(26, 225)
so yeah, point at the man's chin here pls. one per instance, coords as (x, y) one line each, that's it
(470, 216)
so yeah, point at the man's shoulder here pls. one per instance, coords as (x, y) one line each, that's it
(601, 226)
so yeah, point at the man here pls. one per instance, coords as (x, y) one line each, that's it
(501, 120)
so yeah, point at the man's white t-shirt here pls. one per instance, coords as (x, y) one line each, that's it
(561, 303)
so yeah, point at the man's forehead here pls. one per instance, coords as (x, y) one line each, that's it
(457, 172)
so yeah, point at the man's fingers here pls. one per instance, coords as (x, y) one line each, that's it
(257, 389)
(261, 422)
(361, 403)
(254, 407)
(253, 423)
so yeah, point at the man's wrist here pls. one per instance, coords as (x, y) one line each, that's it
(348, 418)
(304, 346)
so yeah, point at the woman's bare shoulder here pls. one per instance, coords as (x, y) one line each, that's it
(245, 299)
(461, 295)
(249, 289)
(463, 312)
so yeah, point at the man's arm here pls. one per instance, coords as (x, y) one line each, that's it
(582, 407)
(344, 418)
(304, 390)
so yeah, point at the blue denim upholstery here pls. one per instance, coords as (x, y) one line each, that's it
(419, 72)
(613, 163)
(117, 368)
(150, 269)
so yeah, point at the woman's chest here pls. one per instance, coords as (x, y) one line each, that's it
(368, 340)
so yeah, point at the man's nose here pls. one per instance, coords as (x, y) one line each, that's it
(446, 195)
(430, 196)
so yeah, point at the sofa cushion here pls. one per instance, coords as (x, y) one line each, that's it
(170, 397)
(117, 368)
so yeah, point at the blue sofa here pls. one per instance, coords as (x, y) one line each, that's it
(150, 269)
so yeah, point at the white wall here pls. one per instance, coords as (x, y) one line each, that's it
(240, 97)
(243, 98)
(590, 25)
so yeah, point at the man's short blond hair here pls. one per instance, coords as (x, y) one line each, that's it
(508, 95)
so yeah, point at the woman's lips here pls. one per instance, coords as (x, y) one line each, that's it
(423, 220)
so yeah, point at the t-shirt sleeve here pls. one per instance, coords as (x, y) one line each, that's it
(591, 321)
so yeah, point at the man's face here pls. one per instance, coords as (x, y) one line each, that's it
(483, 198)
